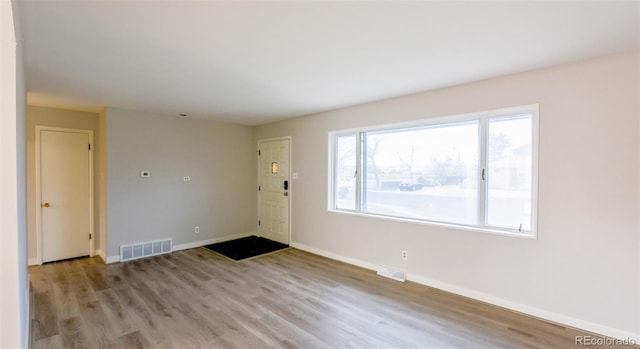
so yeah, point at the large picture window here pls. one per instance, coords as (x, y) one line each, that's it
(475, 171)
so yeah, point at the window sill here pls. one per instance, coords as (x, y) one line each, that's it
(530, 236)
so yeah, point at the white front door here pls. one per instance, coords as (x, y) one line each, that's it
(65, 205)
(274, 187)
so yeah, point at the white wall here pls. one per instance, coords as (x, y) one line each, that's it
(584, 268)
(14, 330)
(42, 116)
(21, 186)
(101, 182)
(220, 158)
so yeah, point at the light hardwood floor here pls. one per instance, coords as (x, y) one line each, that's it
(290, 299)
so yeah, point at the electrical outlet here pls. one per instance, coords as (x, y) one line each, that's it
(186, 178)
(197, 230)
(404, 255)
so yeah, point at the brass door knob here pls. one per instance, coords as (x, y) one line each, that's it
(46, 204)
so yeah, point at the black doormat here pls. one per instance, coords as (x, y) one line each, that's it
(244, 248)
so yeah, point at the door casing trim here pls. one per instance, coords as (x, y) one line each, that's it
(38, 208)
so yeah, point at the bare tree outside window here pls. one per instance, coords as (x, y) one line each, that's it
(408, 162)
(373, 144)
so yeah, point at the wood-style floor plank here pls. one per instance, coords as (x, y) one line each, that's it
(45, 321)
(290, 299)
(74, 335)
(135, 340)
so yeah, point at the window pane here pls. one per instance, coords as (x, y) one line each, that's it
(425, 173)
(509, 165)
(345, 175)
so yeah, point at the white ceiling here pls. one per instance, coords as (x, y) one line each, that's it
(256, 62)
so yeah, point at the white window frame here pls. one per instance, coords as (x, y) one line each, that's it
(483, 118)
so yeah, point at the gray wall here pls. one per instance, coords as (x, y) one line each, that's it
(42, 116)
(220, 158)
(584, 268)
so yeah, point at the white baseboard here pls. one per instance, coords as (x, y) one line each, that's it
(195, 244)
(331, 255)
(102, 255)
(33, 261)
(526, 309)
(185, 246)
(112, 259)
(487, 298)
